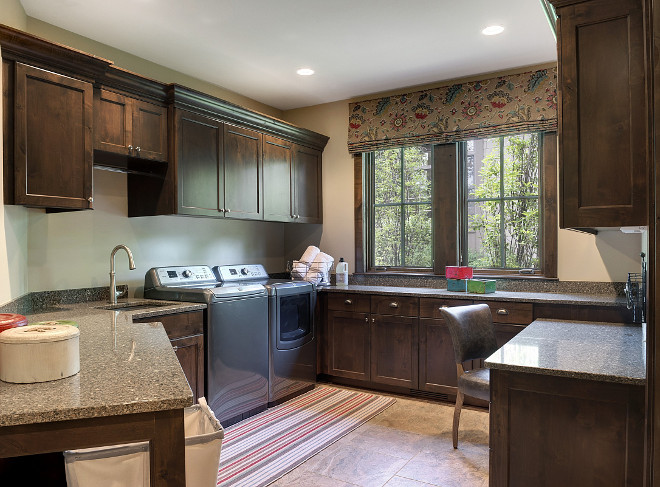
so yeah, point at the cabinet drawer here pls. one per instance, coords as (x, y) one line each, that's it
(430, 307)
(180, 324)
(395, 305)
(349, 302)
(510, 312)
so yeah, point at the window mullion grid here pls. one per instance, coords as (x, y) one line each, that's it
(502, 233)
(402, 213)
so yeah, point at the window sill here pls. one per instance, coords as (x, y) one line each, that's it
(417, 273)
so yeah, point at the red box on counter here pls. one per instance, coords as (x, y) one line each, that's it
(458, 272)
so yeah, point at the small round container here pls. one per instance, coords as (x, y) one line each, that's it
(39, 353)
(11, 320)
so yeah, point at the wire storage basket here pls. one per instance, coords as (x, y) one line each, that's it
(636, 293)
(317, 272)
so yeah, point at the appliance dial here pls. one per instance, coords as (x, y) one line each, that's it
(186, 273)
(244, 271)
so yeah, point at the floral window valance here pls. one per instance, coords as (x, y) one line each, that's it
(517, 103)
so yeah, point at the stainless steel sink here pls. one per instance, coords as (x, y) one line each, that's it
(133, 305)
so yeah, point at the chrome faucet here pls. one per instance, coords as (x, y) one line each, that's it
(131, 266)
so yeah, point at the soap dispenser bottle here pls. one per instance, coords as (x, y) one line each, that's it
(341, 273)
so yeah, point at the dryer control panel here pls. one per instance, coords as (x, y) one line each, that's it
(245, 272)
(184, 275)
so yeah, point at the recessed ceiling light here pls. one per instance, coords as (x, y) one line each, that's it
(492, 30)
(305, 72)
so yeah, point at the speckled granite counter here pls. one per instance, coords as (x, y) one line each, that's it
(125, 368)
(529, 297)
(609, 352)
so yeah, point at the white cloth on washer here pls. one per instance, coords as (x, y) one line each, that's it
(310, 254)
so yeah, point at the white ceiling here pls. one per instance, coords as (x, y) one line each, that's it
(357, 47)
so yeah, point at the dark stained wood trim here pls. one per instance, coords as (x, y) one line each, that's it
(549, 209)
(358, 213)
(445, 205)
(652, 456)
(8, 90)
(195, 101)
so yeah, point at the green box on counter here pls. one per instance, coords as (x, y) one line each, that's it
(459, 285)
(480, 286)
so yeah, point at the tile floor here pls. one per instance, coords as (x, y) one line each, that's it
(407, 445)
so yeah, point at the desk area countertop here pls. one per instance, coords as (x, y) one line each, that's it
(609, 352)
(125, 368)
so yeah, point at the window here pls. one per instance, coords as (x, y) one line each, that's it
(401, 209)
(488, 203)
(501, 224)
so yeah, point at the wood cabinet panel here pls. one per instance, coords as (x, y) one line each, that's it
(394, 351)
(190, 352)
(395, 305)
(129, 127)
(349, 345)
(430, 307)
(307, 188)
(198, 160)
(545, 430)
(609, 314)
(437, 362)
(350, 302)
(603, 146)
(243, 181)
(180, 324)
(52, 139)
(278, 188)
(149, 131)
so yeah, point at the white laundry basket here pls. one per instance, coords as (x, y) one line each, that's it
(128, 465)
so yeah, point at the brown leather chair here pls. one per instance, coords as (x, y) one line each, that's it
(473, 336)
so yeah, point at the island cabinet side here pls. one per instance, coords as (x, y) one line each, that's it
(547, 431)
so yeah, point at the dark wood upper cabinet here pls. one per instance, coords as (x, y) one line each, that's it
(199, 164)
(243, 175)
(306, 180)
(52, 139)
(278, 179)
(603, 114)
(129, 127)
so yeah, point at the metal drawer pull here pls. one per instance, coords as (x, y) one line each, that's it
(394, 305)
(373, 320)
(348, 301)
(366, 320)
(444, 306)
(175, 348)
(502, 311)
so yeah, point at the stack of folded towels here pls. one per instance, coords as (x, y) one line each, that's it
(314, 266)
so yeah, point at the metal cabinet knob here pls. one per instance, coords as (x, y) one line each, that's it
(130, 147)
(90, 199)
(348, 301)
(502, 311)
(137, 148)
(366, 320)
(394, 305)
(175, 348)
(373, 320)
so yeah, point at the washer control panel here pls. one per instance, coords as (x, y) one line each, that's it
(184, 275)
(245, 272)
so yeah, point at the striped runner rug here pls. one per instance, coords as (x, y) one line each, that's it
(261, 449)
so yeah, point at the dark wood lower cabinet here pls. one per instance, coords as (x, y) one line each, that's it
(349, 345)
(186, 333)
(548, 431)
(394, 350)
(437, 363)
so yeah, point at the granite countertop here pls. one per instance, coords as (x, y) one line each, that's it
(530, 297)
(125, 368)
(610, 352)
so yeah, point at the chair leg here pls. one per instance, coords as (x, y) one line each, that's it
(457, 417)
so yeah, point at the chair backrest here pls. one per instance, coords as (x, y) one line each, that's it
(472, 331)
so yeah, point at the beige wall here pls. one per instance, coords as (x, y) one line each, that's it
(609, 256)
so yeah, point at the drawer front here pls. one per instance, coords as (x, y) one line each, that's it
(180, 324)
(430, 307)
(395, 305)
(349, 302)
(510, 312)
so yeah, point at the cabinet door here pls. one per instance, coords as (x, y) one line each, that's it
(603, 115)
(52, 140)
(113, 122)
(349, 345)
(278, 197)
(306, 183)
(505, 332)
(394, 350)
(437, 363)
(149, 131)
(198, 159)
(190, 352)
(243, 182)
